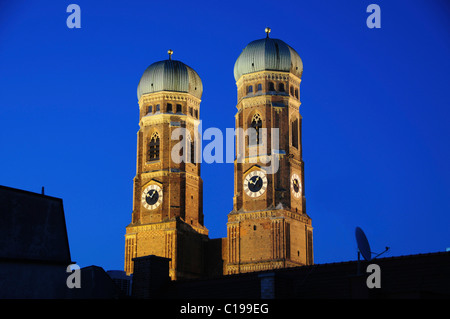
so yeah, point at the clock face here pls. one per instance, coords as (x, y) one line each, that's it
(296, 185)
(255, 183)
(152, 196)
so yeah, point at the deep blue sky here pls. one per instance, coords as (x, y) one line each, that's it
(375, 107)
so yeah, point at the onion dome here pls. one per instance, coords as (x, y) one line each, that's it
(170, 75)
(268, 54)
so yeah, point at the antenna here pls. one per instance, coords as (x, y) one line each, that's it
(364, 247)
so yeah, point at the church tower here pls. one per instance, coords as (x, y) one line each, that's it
(167, 218)
(268, 227)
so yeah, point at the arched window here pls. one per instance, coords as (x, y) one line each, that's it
(249, 89)
(281, 87)
(157, 108)
(259, 87)
(271, 86)
(294, 133)
(296, 93)
(256, 124)
(169, 107)
(153, 148)
(292, 90)
(150, 109)
(179, 108)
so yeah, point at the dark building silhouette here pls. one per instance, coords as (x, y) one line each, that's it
(121, 280)
(422, 276)
(35, 254)
(95, 284)
(150, 276)
(34, 248)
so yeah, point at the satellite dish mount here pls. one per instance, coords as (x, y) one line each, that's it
(364, 247)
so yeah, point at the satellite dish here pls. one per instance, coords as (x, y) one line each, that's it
(363, 244)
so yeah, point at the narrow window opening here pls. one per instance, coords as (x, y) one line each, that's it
(255, 124)
(294, 129)
(192, 153)
(153, 148)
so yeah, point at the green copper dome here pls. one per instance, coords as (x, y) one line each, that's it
(268, 54)
(170, 75)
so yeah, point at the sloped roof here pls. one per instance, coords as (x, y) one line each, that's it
(32, 227)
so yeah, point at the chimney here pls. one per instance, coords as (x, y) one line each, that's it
(150, 274)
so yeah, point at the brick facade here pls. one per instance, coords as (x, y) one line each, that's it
(270, 230)
(173, 228)
(267, 229)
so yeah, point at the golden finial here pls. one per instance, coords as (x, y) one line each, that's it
(170, 54)
(268, 31)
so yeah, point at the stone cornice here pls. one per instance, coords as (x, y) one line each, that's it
(167, 118)
(166, 172)
(268, 75)
(169, 225)
(272, 214)
(147, 99)
(267, 99)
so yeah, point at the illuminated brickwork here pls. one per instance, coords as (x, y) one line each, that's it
(268, 227)
(172, 225)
